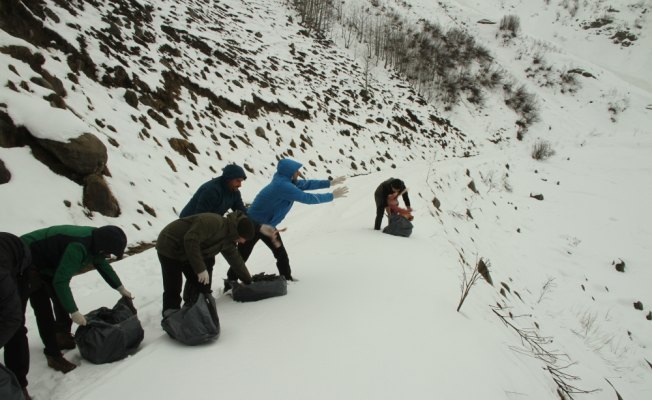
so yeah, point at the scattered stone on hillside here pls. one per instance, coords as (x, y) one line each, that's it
(97, 196)
(619, 265)
(582, 72)
(185, 148)
(436, 203)
(157, 117)
(131, 98)
(471, 186)
(149, 210)
(638, 305)
(486, 21)
(5, 175)
(113, 142)
(67, 203)
(260, 132)
(649, 318)
(248, 168)
(468, 213)
(171, 164)
(538, 196)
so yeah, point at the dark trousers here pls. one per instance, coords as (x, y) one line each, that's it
(44, 301)
(280, 254)
(172, 271)
(381, 203)
(17, 348)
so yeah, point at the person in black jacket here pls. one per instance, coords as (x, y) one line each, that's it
(219, 194)
(391, 185)
(15, 259)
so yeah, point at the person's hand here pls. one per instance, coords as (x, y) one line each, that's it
(340, 192)
(125, 293)
(203, 277)
(78, 318)
(338, 180)
(271, 233)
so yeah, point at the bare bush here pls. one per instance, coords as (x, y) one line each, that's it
(511, 24)
(524, 104)
(481, 270)
(542, 150)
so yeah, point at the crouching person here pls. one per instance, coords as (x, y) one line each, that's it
(189, 245)
(58, 254)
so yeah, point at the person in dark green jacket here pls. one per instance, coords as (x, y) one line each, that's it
(188, 245)
(58, 254)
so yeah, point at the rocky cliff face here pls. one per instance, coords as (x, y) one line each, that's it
(176, 89)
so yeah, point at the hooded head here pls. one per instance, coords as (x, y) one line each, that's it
(287, 167)
(109, 239)
(246, 228)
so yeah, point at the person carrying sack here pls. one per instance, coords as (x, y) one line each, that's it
(187, 245)
(390, 186)
(58, 254)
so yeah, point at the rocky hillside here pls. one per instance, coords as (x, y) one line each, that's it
(177, 90)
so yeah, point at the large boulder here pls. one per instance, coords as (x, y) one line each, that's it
(84, 155)
(5, 175)
(98, 196)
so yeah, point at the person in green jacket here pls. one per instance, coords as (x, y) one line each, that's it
(188, 245)
(58, 254)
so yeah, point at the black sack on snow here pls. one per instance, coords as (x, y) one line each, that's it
(9, 387)
(111, 334)
(263, 286)
(194, 323)
(398, 226)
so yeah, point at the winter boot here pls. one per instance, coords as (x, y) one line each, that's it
(65, 341)
(60, 364)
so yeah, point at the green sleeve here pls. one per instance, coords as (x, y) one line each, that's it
(107, 272)
(235, 261)
(71, 262)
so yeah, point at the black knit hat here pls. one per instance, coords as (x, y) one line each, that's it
(233, 171)
(109, 239)
(246, 228)
(397, 184)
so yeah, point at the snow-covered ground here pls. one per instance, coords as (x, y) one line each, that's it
(373, 316)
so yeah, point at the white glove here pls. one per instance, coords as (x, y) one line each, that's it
(125, 293)
(340, 192)
(203, 278)
(338, 180)
(271, 233)
(78, 318)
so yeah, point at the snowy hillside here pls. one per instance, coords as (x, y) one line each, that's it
(175, 90)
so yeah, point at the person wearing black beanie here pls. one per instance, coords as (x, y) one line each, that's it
(58, 254)
(188, 246)
(218, 195)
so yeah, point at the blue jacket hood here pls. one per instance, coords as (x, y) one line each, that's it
(287, 167)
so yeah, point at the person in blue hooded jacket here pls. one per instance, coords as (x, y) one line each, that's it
(274, 201)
